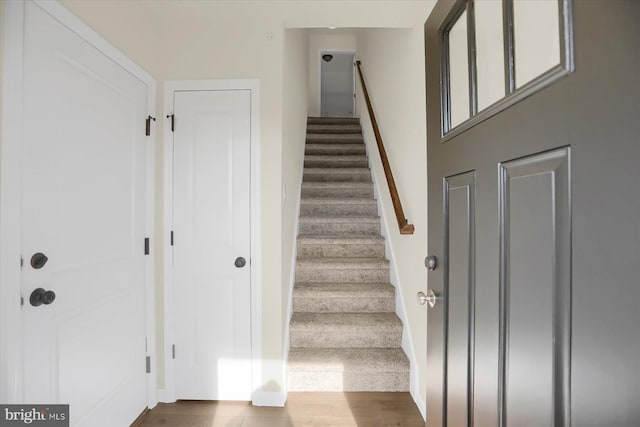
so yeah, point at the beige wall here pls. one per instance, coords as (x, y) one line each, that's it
(197, 39)
(325, 39)
(294, 128)
(393, 65)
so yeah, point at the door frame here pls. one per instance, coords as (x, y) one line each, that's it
(11, 339)
(341, 51)
(170, 88)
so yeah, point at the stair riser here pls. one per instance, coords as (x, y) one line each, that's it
(338, 193)
(340, 251)
(329, 150)
(367, 209)
(348, 382)
(334, 129)
(322, 163)
(339, 228)
(336, 338)
(326, 275)
(355, 304)
(364, 176)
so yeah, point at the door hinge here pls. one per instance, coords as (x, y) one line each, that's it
(171, 238)
(148, 364)
(173, 351)
(173, 121)
(148, 125)
(146, 246)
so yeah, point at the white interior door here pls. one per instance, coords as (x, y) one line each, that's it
(337, 84)
(211, 214)
(83, 207)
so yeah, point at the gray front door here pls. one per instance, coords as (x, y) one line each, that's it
(534, 216)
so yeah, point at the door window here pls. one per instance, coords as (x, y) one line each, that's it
(497, 52)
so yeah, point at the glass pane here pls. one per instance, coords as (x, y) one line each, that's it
(459, 71)
(536, 26)
(489, 52)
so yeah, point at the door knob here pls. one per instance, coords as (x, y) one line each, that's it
(40, 296)
(430, 298)
(240, 262)
(38, 260)
(431, 262)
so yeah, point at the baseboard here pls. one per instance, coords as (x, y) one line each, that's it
(269, 398)
(417, 398)
(164, 396)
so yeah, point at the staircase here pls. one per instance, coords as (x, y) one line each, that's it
(345, 335)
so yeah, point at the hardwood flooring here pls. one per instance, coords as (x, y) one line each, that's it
(301, 410)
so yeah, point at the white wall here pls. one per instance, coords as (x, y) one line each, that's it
(193, 39)
(325, 39)
(394, 68)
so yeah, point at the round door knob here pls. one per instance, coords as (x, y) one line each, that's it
(36, 297)
(431, 262)
(48, 297)
(38, 260)
(41, 296)
(240, 262)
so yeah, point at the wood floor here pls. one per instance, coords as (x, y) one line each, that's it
(301, 410)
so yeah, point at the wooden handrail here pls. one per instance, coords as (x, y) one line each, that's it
(403, 224)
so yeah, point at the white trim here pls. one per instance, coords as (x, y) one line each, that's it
(420, 403)
(150, 261)
(322, 51)
(11, 356)
(269, 398)
(400, 310)
(170, 87)
(292, 282)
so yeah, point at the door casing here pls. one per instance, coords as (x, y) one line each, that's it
(11, 339)
(170, 87)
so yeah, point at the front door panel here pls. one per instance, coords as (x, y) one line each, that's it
(459, 211)
(555, 337)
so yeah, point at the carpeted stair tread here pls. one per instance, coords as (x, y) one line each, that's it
(336, 162)
(337, 189)
(335, 149)
(334, 120)
(334, 138)
(344, 290)
(341, 218)
(340, 322)
(334, 128)
(338, 201)
(348, 359)
(343, 298)
(337, 175)
(342, 239)
(343, 263)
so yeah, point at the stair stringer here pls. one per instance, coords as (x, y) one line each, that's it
(400, 310)
(292, 282)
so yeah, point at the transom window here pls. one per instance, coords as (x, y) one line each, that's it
(497, 52)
